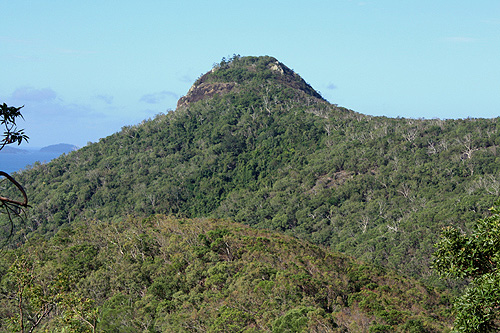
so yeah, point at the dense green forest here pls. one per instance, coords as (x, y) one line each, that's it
(273, 154)
(164, 274)
(253, 143)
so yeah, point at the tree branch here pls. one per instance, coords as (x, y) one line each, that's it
(23, 203)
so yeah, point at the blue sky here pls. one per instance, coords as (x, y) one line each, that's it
(84, 69)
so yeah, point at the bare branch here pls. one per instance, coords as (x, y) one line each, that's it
(23, 203)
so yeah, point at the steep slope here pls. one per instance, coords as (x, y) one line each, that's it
(180, 275)
(253, 142)
(227, 75)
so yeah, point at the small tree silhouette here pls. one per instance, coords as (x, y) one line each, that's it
(12, 207)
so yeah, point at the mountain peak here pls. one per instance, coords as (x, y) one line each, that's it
(238, 71)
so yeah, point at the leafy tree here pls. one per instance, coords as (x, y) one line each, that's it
(34, 299)
(11, 207)
(8, 117)
(475, 257)
(294, 320)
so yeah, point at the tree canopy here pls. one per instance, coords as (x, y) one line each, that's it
(475, 257)
(165, 274)
(254, 143)
(256, 146)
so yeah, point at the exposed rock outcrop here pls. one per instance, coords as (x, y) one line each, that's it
(224, 77)
(205, 90)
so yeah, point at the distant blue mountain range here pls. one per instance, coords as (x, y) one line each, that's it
(15, 159)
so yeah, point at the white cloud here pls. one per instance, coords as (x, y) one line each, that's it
(186, 78)
(108, 99)
(331, 86)
(49, 118)
(157, 97)
(55, 122)
(34, 95)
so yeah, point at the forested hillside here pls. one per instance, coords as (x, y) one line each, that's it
(254, 143)
(181, 275)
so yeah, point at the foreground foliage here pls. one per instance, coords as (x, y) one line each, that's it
(475, 257)
(11, 206)
(9, 115)
(181, 275)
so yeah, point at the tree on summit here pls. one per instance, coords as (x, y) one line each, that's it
(475, 257)
(12, 207)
